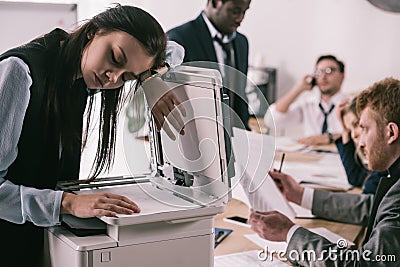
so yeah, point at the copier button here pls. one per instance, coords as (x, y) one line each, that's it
(105, 256)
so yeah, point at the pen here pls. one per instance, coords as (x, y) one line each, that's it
(219, 236)
(282, 159)
(323, 151)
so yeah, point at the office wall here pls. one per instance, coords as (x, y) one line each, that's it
(22, 22)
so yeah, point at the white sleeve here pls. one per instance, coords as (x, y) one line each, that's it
(308, 198)
(291, 232)
(174, 54)
(306, 202)
(292, 116)
(18, 203)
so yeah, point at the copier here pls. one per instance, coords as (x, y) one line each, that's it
(188, 186)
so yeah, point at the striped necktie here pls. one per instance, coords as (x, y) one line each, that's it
(228, 49)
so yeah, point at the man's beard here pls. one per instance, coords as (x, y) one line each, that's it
(330, 91)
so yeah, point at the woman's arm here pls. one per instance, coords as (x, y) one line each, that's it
(356, 175)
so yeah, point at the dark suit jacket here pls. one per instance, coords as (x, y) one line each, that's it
(195, 37)
(381, 213)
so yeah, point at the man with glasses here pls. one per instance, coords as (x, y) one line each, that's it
(213, 37)
(316, 113)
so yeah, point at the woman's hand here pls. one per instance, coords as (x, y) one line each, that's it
(345, 132)
(99, 204)
(165, 106)
(339, 110)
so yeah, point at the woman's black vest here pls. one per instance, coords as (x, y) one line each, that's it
(38, 163)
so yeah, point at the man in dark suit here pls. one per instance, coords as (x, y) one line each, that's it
(212, 37)
(380, 140)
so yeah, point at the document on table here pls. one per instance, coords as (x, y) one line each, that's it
(288, 144)
(327, 172)
(247, 258)
(301, 212)
(281, 246)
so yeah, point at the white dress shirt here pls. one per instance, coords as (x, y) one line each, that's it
(306, 202)
(305, 111)
(225, 39)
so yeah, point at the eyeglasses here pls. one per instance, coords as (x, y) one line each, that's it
(327, 71)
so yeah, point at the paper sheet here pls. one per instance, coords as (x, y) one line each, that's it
(328, 172)
(150, 199)
(247, 258)
(280, 246)
(237, 189)
(262, 243)
(254, 155)
(288, 144)
(301, 212)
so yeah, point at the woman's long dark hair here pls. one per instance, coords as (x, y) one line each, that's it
(129, 19)
(351, 108)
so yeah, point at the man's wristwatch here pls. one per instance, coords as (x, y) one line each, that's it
(330, 136)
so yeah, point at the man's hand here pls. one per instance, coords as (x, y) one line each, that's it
(307, 82)
(288, 186)
(270, 225)
(100, 204)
